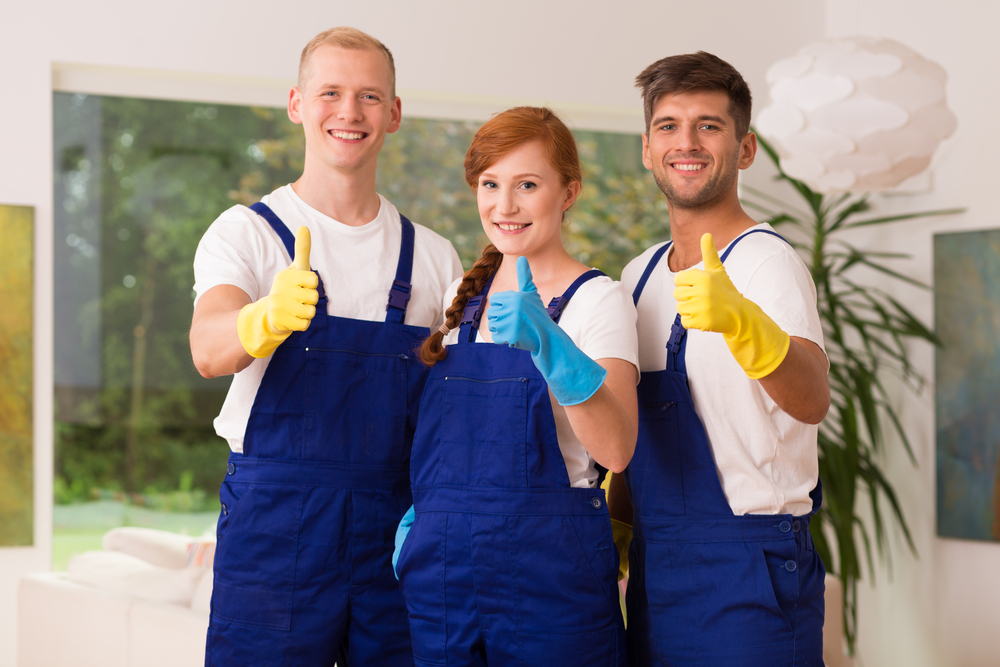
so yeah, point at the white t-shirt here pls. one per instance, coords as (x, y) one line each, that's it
(600, 319)
(357, 265)
(766, 460)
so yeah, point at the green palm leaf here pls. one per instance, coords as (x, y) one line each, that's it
(866, 333)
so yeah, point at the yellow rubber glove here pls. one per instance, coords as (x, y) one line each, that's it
(707, 300)
(621, 533)
(291, 305)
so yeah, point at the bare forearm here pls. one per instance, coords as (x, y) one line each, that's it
(607, 422)
(215, 344)
(799, 385)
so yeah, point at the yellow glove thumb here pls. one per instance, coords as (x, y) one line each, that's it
(303, 245)
(709, 255)
(263, 325)
(708, 300)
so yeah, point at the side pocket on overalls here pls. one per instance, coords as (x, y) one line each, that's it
(229, 496)
(780, 566)
(422, 583)
(255, 561)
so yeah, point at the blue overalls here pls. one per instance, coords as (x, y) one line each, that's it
(505, 563)
(309, 509)
(706, 587)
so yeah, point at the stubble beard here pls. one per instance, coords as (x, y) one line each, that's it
(713, 191)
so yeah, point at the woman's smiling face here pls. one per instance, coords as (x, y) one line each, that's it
(522, 199)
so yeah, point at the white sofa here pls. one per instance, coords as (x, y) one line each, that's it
(144, 602)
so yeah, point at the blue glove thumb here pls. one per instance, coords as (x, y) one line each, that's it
(402, 530)
(524, 281)
(520, 320)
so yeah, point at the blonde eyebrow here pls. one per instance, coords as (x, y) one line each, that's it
(337, 86)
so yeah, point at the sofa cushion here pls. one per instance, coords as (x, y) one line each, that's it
(201, 553)
(122, 573)
(157, 547)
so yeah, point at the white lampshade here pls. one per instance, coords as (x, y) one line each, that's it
(855, 114)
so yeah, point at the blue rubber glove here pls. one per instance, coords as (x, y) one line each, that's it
(520, 320)
(402, 530)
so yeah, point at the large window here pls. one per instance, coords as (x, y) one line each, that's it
(137, 182)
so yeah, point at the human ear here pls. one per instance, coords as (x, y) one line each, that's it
(748, 150)
(647, 162)
(572, 192)
(294, 106)
(395, 115)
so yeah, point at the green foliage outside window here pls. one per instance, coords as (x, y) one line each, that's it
(137, 184)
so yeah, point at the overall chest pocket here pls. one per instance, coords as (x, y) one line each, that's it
(355, 407)
(483, 432)
(654, 475)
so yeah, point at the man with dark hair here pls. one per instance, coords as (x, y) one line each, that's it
(321, 412)
(722, 569)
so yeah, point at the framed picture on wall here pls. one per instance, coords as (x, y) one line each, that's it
(967, 383)
(16, 443)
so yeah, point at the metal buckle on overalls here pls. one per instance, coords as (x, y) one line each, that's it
(677, 332)
(399, 295)
(555, 307)
(472, 314)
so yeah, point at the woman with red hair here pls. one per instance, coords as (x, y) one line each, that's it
(509, 557)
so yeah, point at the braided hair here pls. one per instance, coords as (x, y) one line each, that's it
(433, 350)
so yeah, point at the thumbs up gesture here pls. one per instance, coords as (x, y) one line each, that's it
(707, 300)
(520, 320)
(265, 324)
(514, 317)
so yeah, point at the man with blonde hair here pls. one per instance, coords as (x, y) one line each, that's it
(320, 329)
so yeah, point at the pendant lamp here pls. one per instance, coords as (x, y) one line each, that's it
(855, 114)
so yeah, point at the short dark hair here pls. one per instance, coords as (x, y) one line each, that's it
(692, 72)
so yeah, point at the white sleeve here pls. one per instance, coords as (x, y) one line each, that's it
(230, 253)
(783, 288)
(456, 267)
(449, 296)
(455, 276)
(601, 321)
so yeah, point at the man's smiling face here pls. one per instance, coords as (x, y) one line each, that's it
(345, 106)
(692, 148)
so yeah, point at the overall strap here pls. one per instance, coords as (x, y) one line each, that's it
(288, 239)
(732, 245)
(678, 338)
(399, 295)
(559, 303)
(473, 313)
(649, 271)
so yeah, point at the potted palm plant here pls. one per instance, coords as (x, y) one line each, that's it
(866, 330)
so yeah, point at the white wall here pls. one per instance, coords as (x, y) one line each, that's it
(465, 59)
(942, 609)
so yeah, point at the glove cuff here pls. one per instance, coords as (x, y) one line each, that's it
(760, 345)
(254, 332)
(574, 383)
